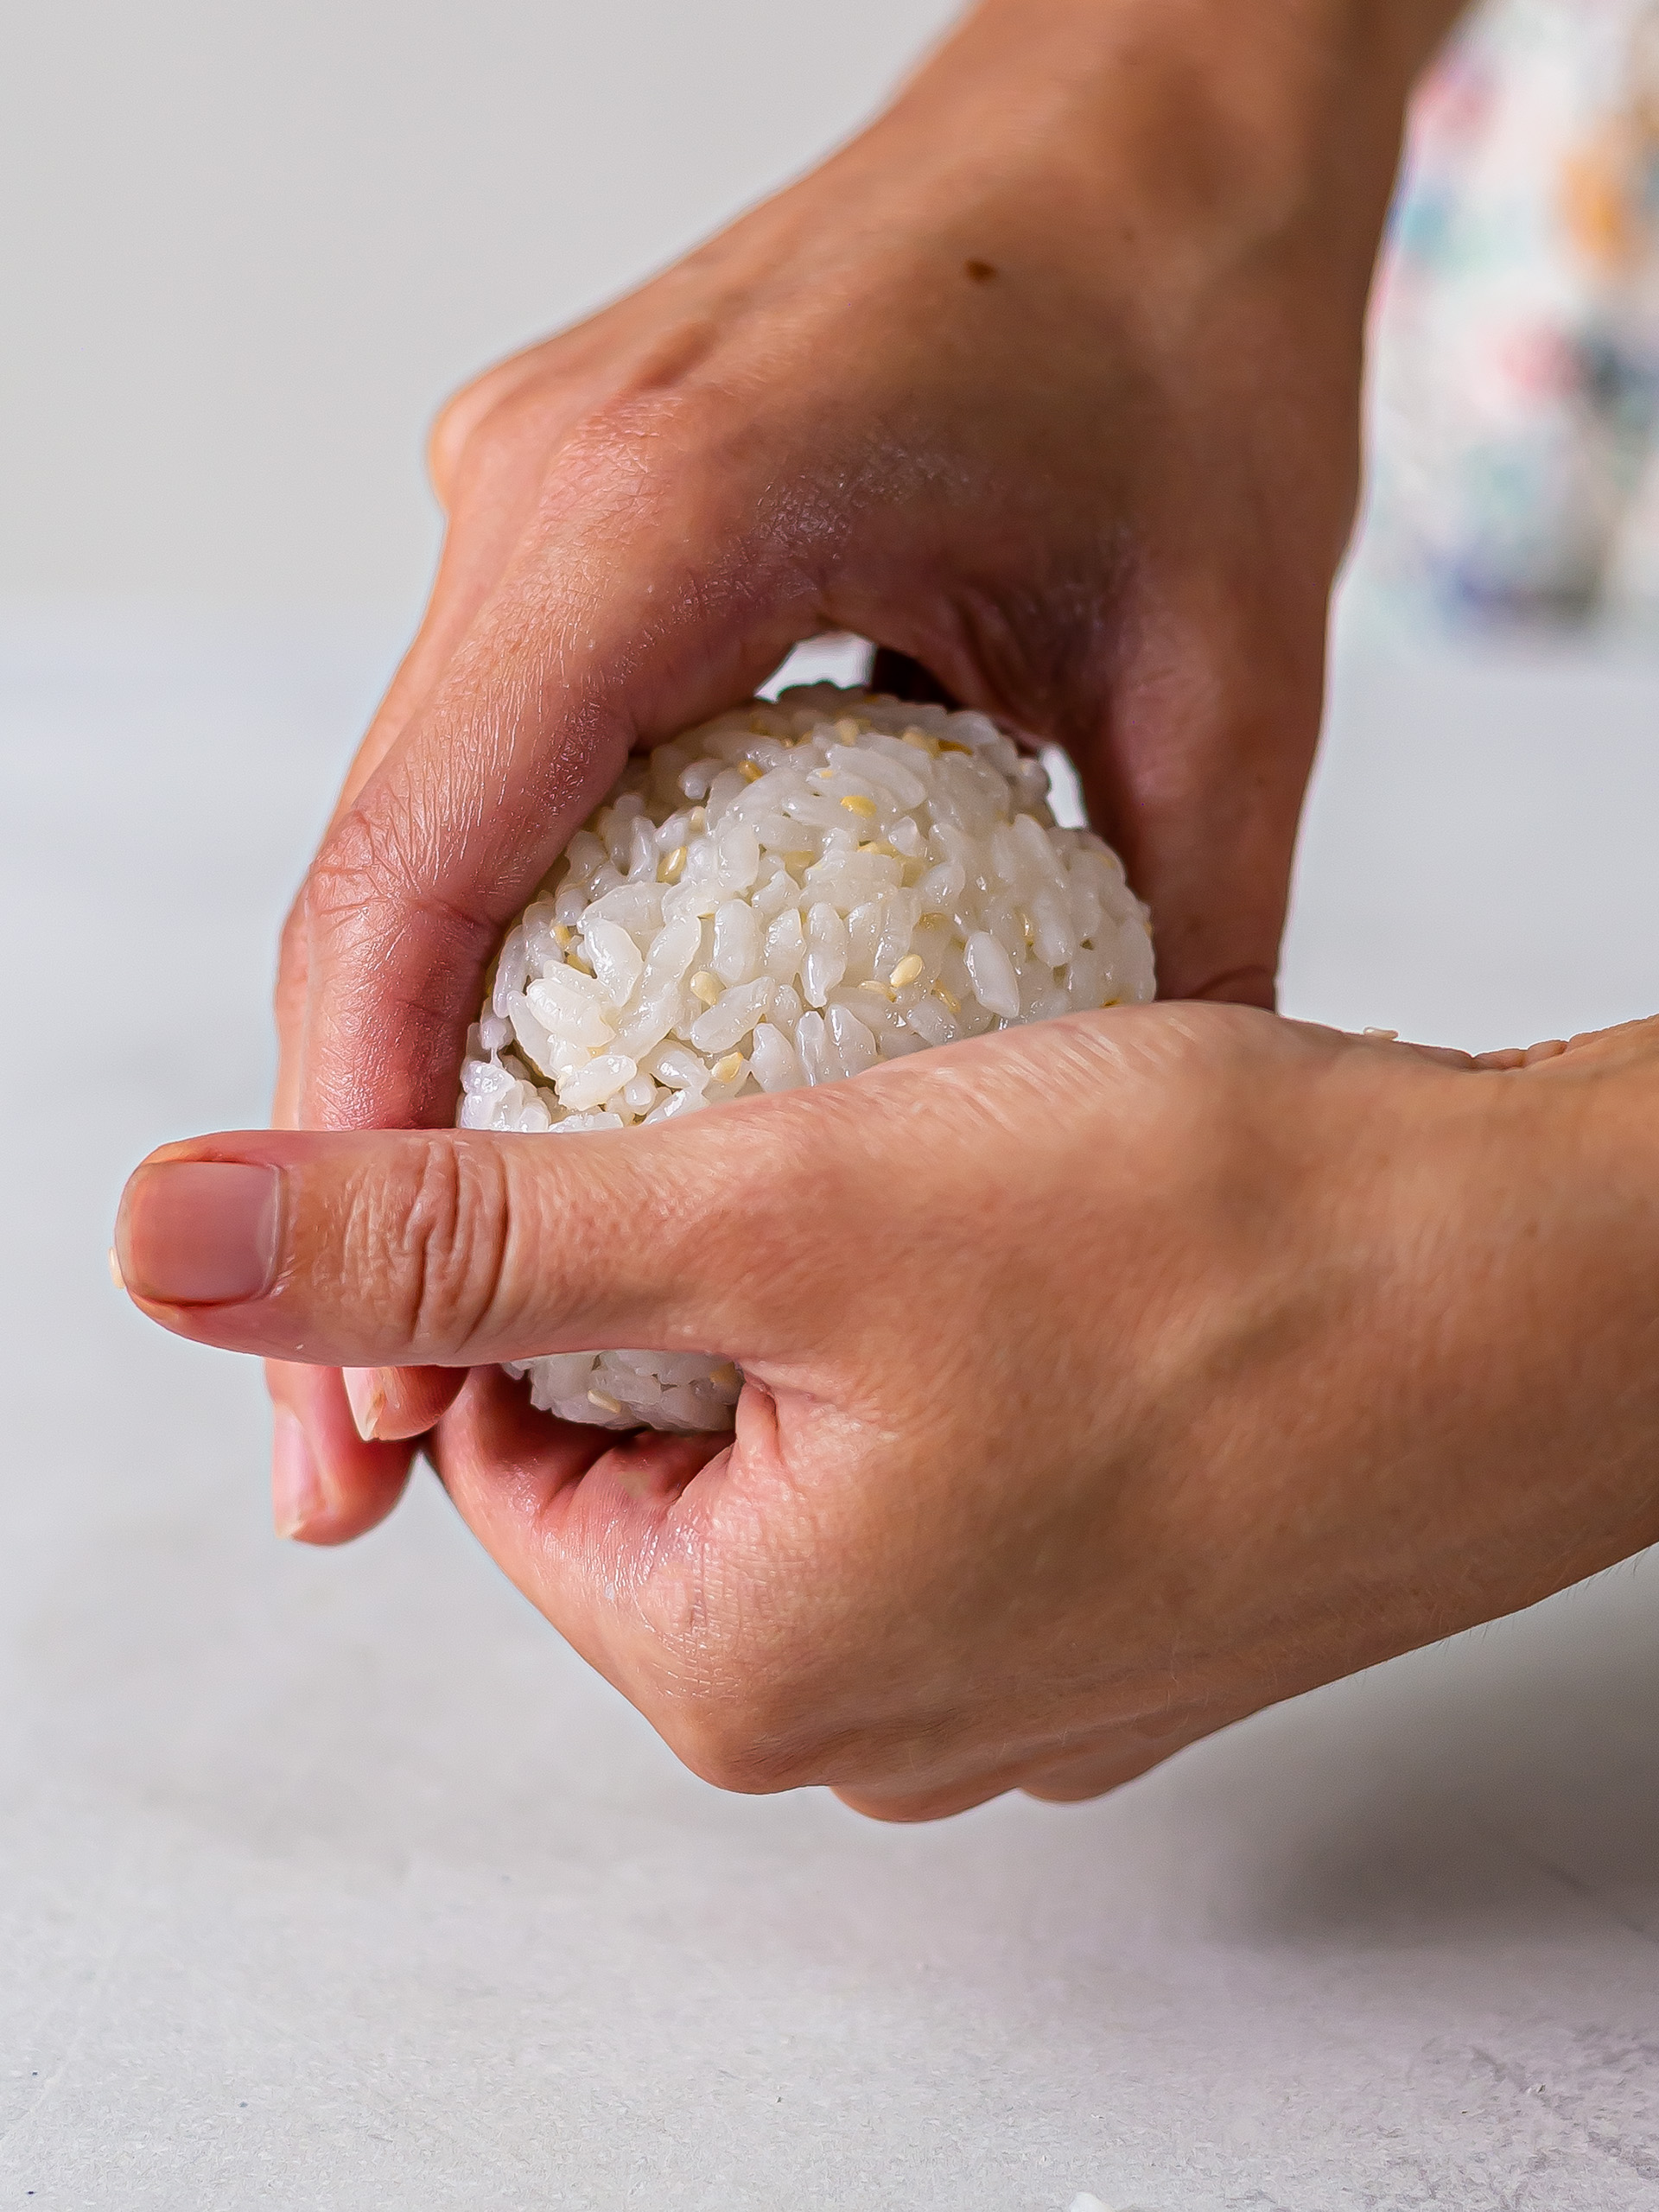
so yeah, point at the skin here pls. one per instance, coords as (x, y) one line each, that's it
(1049, 380)
(1283, 1351)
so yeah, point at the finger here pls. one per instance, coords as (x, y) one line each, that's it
(907, 1801)
(487, 448)
(493, 507)
(579, 1519)
(494, 485)
(328, 1486)
(514, 1474)
(908, 1806)
(413, 1248)
(490, 453)
(646, 594)
(491, 493)
(1117, 1754)
(1121, 1755)
(388, 1402)
(1195, 756)
(1508, 1058)
(488, 456)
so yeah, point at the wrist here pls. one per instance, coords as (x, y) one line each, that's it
(1537, 1207)
(1281, 55)
(1190, 114)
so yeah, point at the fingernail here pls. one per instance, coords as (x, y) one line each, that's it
(296, 1492)
(198, 1232)
(116, 1275)
(368, 1399)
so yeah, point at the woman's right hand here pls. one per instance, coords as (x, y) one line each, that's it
(1105, 1380)
(1049, 380)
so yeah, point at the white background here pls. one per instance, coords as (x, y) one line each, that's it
(247, 250)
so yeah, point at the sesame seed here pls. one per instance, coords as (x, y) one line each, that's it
(699, 818)
(880, 989)
(670, 870)
(752, 772)
(855, 803)
(847, 730)
(561, 935)
(954, 745)
(907, 970)
(880, 845)
(705, 986)
(950, 1001)
(605, 1403)
(729, 1069)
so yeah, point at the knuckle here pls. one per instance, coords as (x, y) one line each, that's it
(663, 449)
(737, 1742)
(437, 1235)
(350, 898)
(750, 1725)
(512, 409)
(376, 869)
(363, 856)
(478, 407)
(394, 969)
(343, 883)
(730, 1693)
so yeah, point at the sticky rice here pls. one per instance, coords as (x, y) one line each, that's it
(790, 894)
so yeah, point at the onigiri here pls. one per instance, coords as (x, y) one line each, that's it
(785, 896)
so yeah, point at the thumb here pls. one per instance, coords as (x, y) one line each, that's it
(455, 1248)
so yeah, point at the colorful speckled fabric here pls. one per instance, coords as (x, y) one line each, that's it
(1515, 376)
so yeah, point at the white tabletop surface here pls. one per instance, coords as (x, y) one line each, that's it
(336, 1880)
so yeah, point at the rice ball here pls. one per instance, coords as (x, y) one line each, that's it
(791, 893)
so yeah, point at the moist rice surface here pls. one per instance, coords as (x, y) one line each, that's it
(787, 895)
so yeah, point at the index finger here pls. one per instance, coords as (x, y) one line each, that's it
(649, 592)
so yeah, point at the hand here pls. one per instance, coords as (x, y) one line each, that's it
(1049, 381)
(1105, 1380)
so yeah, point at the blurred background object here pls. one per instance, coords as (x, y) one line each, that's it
(1514, 367)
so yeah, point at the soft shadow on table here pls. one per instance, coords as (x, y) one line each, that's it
(1495, 1784)
(396, 1708)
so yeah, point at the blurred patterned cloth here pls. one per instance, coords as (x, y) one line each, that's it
(1515, 362)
